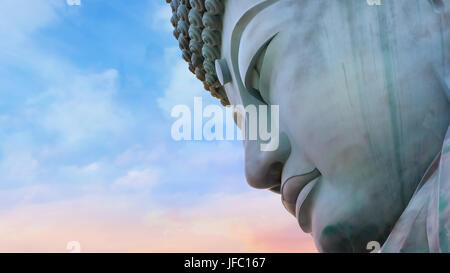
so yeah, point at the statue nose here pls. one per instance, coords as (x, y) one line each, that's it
(263, 170)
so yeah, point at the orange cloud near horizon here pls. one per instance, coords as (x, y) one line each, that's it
(248, 222)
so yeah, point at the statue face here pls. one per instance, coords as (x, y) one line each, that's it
(363, 110)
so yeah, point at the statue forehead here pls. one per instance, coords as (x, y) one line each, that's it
(235, 10)
(248, 24)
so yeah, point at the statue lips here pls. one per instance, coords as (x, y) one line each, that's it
(291, 189)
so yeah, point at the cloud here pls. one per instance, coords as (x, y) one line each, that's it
(223, 153)
(62, 180)
(61, 108)
(18, 162)
(19, 18)
(138, 179)
(249, 222)
(74, 104)
(82, 107)
(160, 14)
(20, 166)
(138, 154)
(182, 86)
(74, 2)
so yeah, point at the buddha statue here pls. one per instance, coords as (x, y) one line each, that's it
(363, 96)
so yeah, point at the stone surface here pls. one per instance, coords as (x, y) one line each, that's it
(364, 103)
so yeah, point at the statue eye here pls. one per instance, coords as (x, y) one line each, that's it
(251, 60)
(254, 74)
(256, 71)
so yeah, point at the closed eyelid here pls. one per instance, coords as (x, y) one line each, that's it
(252, 81)
(251, 56)
(255, 66)
(260, 59)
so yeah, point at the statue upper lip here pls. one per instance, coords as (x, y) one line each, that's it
(293, 186)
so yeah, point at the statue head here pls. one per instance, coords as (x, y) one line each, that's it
(361, 91)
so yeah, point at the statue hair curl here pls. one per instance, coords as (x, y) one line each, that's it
(198, 29)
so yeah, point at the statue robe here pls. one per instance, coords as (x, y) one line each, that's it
(424, 226)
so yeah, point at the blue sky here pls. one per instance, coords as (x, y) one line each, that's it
(85, 96)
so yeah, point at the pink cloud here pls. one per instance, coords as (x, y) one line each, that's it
(249, 222)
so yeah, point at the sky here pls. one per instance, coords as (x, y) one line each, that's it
(86, 153)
